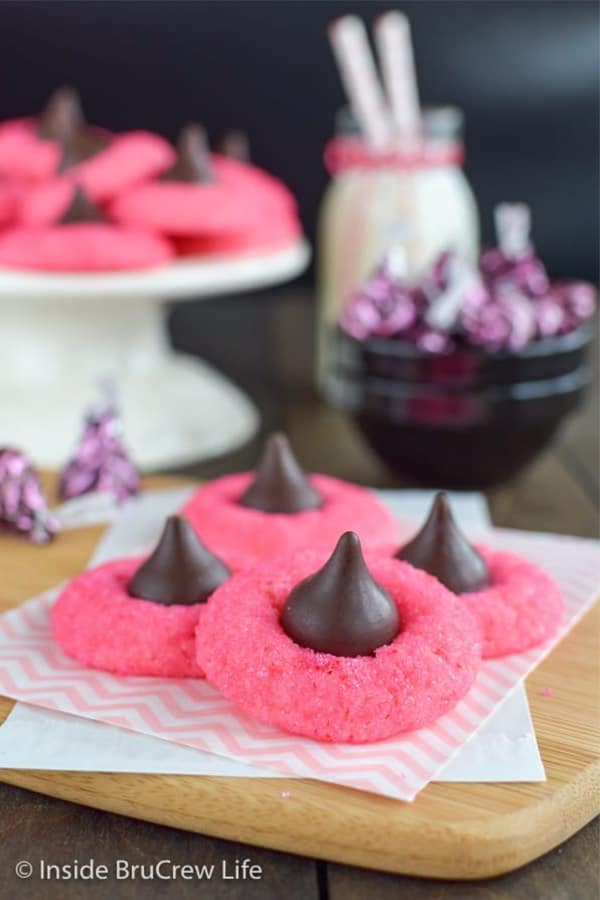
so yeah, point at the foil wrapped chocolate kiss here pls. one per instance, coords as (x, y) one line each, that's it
(23, 504)
(441, 549)
(280, 485)
(181, 570)
(341, 609)
(100, 462)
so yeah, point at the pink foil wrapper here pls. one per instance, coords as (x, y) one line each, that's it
(526, 272)
(100, 461)
(23, 505)
(383, 307)
(508, 303)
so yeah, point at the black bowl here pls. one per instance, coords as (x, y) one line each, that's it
(465, 419)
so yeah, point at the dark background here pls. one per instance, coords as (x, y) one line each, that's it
(525, 73)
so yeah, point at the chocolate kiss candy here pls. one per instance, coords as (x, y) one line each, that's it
(62, 121)
(181, 569)
(341, 609)
(81, 209)
(193, 157)
(280, 485)
(441, 549)
(100, 461)
(61, 117)
(79, 147)
(236, 145)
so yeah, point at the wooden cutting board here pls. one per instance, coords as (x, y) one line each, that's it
(465, 831)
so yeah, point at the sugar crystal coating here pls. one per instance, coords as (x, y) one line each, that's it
(98, 623)
(238, 534)
(521, 607)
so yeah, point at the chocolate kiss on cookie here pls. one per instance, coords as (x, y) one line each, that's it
(81, 209)
(62, 121)
(341, 609)
(193, 163)
(61, 117)
(236, 145)
(181, 570)
(441, 549)
(280, 485)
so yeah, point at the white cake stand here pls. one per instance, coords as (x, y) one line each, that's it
(60, 333)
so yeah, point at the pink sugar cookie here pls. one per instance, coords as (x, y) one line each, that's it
(10, 196)
(23, 156)
(236, 532)
(521, 608)
(129, 159)
(97, 623)
(44, 204)
(240, 199)
(183, 209)
(268, 235)
(253, 181)
(85, 247)
(405, 685)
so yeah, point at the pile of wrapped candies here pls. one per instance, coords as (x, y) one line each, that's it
(100, 463)
(503, 305)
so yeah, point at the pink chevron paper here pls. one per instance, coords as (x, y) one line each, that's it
(34, 669)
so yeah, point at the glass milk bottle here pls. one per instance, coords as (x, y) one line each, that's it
(375, 196)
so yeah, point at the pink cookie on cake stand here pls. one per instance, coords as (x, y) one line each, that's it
(254, 182)
(336, 651)
(138, 617)
(516, 605)
(60, 142)
(205, 198)
(10, 195)
(128, 159)
(32, 150)
(65, 232)
(278, 509)
(188, 200)
(24, 157)
(74, 248)
(182, 210)
(272, 233)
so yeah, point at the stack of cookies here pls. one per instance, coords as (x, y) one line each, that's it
(74, 197)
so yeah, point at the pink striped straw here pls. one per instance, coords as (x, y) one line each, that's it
(357, 69)
(395, 51)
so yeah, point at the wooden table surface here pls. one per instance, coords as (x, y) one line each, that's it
(559, 492)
